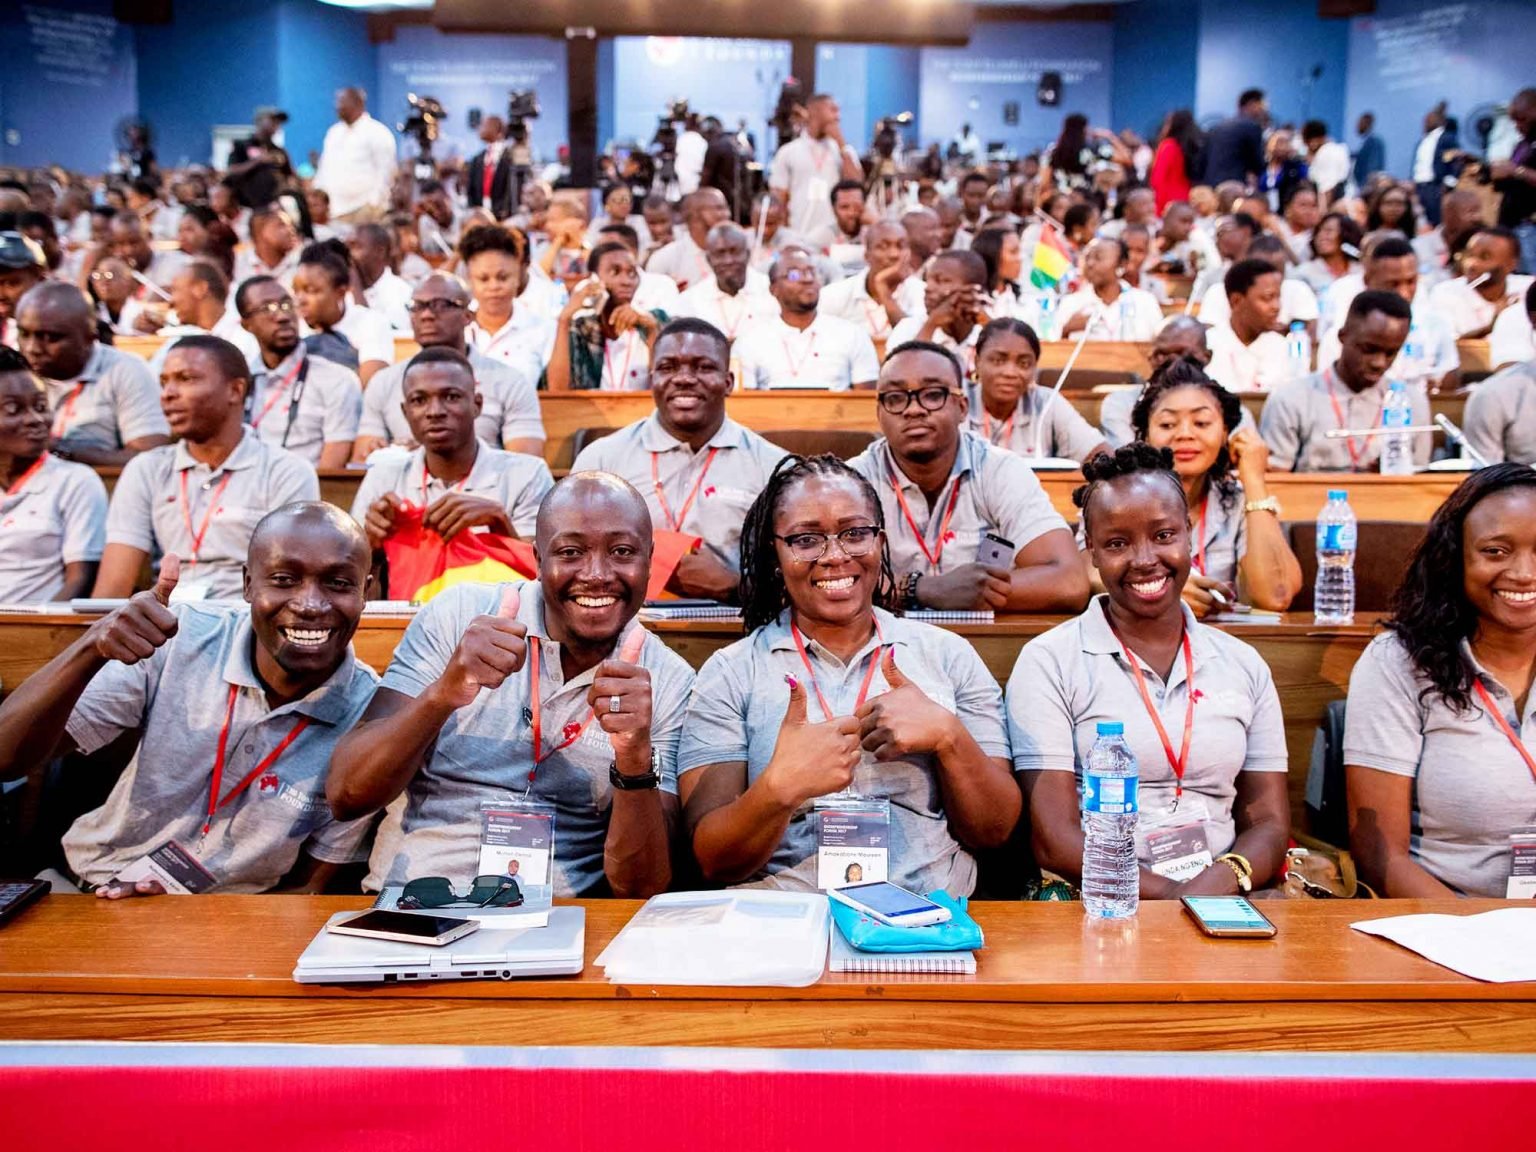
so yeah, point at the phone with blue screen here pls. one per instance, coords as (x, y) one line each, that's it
(1230, 916)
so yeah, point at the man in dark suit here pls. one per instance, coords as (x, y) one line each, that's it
(1234, 149)
(488, 179)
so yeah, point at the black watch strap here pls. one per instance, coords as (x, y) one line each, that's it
(641, 783)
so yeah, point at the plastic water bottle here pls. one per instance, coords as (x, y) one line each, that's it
(1122, 332)
(1048, 316)
(1397, 447)
(1111, 881)
(1333, 600)
(1298, 350)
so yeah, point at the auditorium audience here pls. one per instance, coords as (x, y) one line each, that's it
(1462, 213)
(199, 297)
(1298, 303)
(804, 347)
(1391, 210)
(220, 475)
(1489, 261)
(1234, 148)
(871, 297)
(1006, 406)
(942, 490)
(22, 265)
(1214, 817)
(384, 292)
(479, 661)
(902, 712)
(1440, 723)
(668, 456)
(955, 303)
(1248, 354)
(602, 339)
(805, 169)
(1335, 253)
(509, 413)
(684, 259)
(734, 298)
(495, 259)
(273, 249)
(334, 327)
(278, 670)
(1106, 307)
(1513, 339)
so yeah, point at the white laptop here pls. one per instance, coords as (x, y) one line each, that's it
(557, 950)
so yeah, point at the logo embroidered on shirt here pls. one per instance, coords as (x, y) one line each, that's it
(268, 785)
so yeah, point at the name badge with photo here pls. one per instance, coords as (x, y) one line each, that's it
(853, 839)
(1180, 853)
(1522, 865)
(517, 840)
(176, 869)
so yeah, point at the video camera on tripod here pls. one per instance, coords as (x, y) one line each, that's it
(422, 123)
(665, 145)
(521, 108)
(884, 173)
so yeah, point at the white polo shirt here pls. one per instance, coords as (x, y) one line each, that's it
(523, 343)
(682, 260)
(734, 315)
(807, 169)
(1500, 420)
(509, 403)
(1240, 367)
(357, 165)
(849, 299)
(1427, 355)
(304, 415)
(58, 517)
(1297, 302)
(1042, 423)
(389, 296)
(367, 331)
(1460, 306)
(1511, 341)
(831, 353)
(1135, 316)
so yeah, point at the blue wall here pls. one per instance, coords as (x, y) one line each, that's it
(1273, 45)
(1157, 56)
(320, 49)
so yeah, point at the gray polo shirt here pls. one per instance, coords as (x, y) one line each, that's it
(1500, 420)
(1039, 413)
(1299, 413)
(329, 402)
(998, 493)
(115, 399)
(738, 704)
(1471, 789)
(147, 511)
(178, 699)
(59, 517)
(515, 481)
(509, 403)
(739, 470)
(484, 751)
(1218, 532)
(1075, 676)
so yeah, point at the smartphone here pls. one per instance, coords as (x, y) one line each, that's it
(406, 927)
(1228, 916)
(891, 904)
(995, 551)
(17, 894)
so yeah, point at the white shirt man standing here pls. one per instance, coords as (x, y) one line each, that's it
(808, 166)
(357, 162)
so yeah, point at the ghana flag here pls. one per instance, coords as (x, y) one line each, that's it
(1051, 262)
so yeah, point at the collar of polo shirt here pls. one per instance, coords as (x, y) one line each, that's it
(245, 455)
(655, 438)
(327, 704)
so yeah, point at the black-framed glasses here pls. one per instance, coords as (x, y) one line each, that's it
(860, 540)
(897, 400)
(436, 307)
(438, 892)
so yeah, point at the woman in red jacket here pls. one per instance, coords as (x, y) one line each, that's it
(1176, 164)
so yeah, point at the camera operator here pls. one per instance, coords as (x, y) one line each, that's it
(258, 168)
(357, 162)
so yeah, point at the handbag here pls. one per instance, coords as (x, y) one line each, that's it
(959, 934)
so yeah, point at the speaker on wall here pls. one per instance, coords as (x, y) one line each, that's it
(141, 11)
(1048, 91)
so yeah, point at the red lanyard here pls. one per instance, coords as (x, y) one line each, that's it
(810, 350)
(937, 554)
(35, 467)
(66, 410)
(986, 427)
(1179, 763)
(727, 323)
(1198, 559)
(666, 510)
(620, 382)
(213, 506)
(456, 486)
(277, 393)
(1338, 416)
(869, 673)
(1498, 718)
(214, 803)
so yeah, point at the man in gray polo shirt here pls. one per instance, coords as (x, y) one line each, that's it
(698, 470)
(238, 709)
(457, 722)
(509, 412)
(106, 405)
(201, 497)
(942, 490)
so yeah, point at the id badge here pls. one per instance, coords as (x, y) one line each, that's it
(191, 591)
(853, 838)
(1178, 853)
(1522, 865)
(517, 839)
(176, 869)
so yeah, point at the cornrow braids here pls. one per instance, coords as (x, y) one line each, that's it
(1128, 460)
(762, 591)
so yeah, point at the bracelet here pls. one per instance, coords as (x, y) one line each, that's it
(1240, 868)
(1268, 504)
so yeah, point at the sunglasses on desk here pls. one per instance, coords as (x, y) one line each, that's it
(438, 892)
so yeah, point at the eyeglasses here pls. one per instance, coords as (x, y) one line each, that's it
(800, 276)
(932, 399)
(857, 541)
(436, 307)
(283, 307)
(438, 892)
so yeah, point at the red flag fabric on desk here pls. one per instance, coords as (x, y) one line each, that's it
(422, 563)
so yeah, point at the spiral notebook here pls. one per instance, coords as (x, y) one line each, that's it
(656, 610)
(947, 616)
(844, 957)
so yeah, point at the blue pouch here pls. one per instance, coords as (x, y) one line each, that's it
(961, 934)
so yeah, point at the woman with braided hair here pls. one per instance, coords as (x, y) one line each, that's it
(1199, 706)
(830, 693)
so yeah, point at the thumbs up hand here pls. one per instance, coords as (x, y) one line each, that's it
(903, 720)
(810, 760)
(145, 623)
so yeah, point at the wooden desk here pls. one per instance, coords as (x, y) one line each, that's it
(219, 968)
(1311, 665)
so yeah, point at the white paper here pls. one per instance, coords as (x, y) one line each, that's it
(1498, 946)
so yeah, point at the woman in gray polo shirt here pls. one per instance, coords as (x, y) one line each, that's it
(827, 693)
(1440, 736)
(1199, 706)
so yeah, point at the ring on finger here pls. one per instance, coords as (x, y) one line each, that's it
(613, 704)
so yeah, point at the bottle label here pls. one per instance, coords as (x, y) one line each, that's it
(1338, 538)
(1109, 795)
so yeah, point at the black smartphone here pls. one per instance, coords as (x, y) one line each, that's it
(17, 894)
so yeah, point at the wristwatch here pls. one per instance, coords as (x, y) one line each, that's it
(1268, 504)
(1240, 868)
(641, 783)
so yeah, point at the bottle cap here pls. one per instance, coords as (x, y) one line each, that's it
(1337, 494)
(1111, 728)
(1298, 326)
